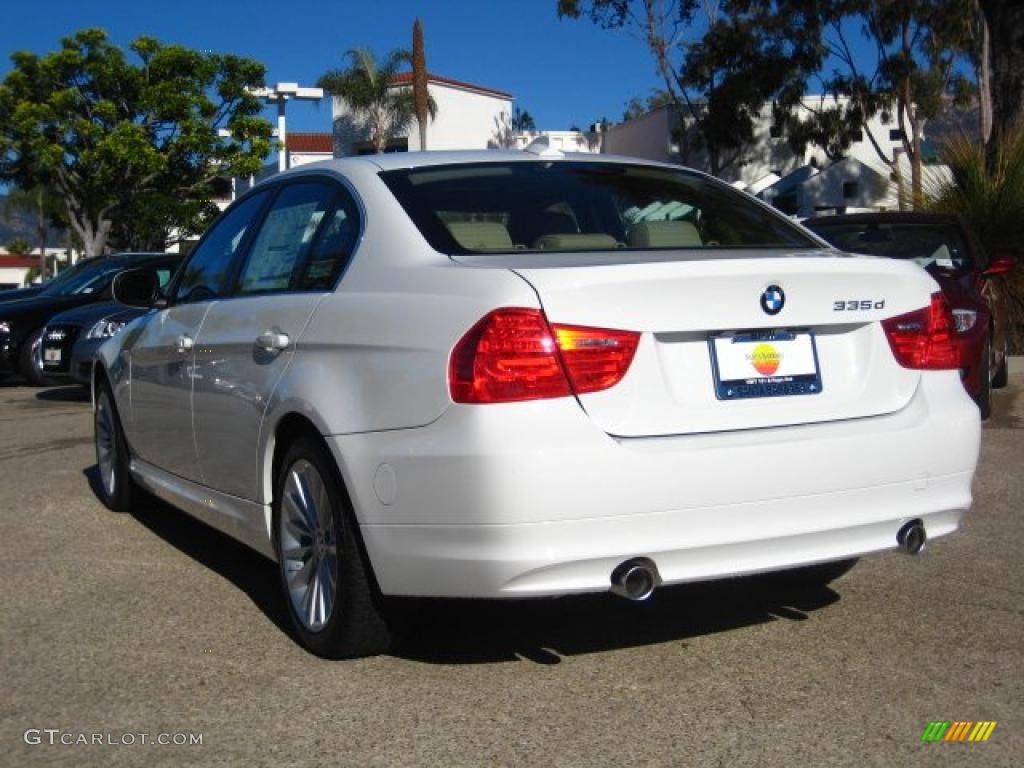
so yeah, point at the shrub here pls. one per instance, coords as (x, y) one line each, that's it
(988, 191)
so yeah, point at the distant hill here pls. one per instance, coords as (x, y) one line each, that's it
(16, 224)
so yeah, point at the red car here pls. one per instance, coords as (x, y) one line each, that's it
(945, 246)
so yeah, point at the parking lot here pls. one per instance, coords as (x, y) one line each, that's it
(152, 623)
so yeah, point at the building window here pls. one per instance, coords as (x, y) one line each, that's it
(895, 134)
(849, 189)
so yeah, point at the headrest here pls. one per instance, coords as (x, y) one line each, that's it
(664, 234)
(481, 235)
(575, 242)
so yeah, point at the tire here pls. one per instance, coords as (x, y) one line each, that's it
(335, 608)
(1002, 375)
(818, 574)
(984, 398)
(116, 487)
(30, 361)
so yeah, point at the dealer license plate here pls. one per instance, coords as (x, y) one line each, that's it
(775, 363)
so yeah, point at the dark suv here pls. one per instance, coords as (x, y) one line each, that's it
(22, 321)
(946, 247)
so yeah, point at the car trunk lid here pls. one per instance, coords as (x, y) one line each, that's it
(679, 302)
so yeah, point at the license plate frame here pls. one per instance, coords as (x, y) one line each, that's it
(800, 376)
(52, 355)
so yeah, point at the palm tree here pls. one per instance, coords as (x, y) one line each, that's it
(366, 87)
(420, 91)
(987, 189)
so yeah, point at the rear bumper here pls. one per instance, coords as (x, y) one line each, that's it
(531, 499)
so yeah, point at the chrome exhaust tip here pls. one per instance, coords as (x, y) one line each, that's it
(912, 537)
(635, 579)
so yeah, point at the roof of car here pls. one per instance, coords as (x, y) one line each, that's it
(142, 255)
(391, 161)
(885, 217)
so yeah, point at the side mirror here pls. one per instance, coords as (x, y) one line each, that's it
(136, 287)
(1001, 265)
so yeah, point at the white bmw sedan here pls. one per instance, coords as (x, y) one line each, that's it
(511, 374)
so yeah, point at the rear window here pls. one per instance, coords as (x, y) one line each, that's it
(933, 246)
(582, 206)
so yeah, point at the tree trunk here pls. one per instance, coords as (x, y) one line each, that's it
(419, 82)
(897, 176)
(916, 184)
(714, 161)
(93, 236)
(984, 75)
(1006, 25)
(41, 232)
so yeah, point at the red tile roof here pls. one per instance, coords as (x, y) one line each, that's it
(311, 142)
(11, 261)
(405, 78)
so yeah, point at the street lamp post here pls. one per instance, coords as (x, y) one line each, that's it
(279, 95)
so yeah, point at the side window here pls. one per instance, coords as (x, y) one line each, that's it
(284, 240)
(163, 274)
(333, 248)
(206, 271)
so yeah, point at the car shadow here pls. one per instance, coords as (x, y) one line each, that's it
(249, 571)
(65, 393)
(542, 631)
(547, 630)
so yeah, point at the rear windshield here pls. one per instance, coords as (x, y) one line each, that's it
(934, 246)
(582, 206)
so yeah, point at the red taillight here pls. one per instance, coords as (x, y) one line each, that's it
(924, 338)
(596, 358)
(513, 354)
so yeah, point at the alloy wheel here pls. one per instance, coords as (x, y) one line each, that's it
(106, 444)
(309, 545)
(37, 357)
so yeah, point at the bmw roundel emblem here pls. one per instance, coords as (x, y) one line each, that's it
(773, 299)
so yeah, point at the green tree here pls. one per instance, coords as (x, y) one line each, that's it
(637, 107)
(1005, 25)
(522, 121)
(19, 246)
(719, 79)
(129, 140)
(420, 77)
(366, 87)
(916, 46)
(986, 188)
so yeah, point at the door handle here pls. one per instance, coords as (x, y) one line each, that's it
(185, 342)
(273, 340)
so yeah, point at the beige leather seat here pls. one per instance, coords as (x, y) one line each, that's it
(575, 242)
(481, 235)
(664, 234)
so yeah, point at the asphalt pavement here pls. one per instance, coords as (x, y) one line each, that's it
(113, 626)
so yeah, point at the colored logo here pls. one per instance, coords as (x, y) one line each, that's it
(958, 730)
(773, 299)
(766, 359)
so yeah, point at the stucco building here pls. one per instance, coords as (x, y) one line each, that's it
(469, 116)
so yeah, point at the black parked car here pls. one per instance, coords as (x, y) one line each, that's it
(22, 321)
(71, 338)
(18, 294)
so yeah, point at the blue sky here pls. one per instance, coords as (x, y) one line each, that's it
(563, 72)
